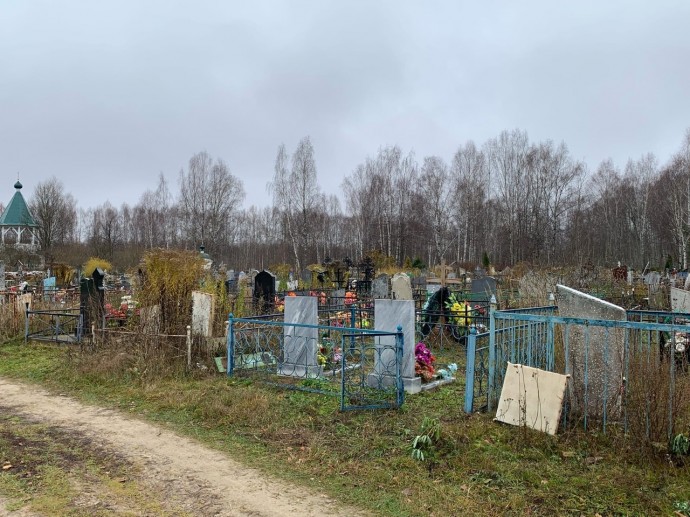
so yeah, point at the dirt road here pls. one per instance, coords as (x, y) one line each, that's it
(189, 477)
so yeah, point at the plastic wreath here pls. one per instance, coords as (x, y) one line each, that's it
(459, 311)
(424, 364)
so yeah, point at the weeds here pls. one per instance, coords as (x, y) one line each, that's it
(424, 444)
(680, 445)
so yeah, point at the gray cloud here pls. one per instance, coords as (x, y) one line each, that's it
(107, 96)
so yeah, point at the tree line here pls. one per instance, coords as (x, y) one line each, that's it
(509, 199)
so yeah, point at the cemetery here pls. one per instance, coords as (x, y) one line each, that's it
(528, 351)
(558, 351)
(372, 338)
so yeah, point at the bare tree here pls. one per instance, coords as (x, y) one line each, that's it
(470, 187)
(55, 213)
(104, 230)
(437, 194)
(507, 168)
(209, 194)
(296, 195)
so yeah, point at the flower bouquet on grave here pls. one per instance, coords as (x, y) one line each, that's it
(459, 316)
(424, 362)
(329, 355)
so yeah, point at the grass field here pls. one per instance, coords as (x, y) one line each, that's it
(471, 466)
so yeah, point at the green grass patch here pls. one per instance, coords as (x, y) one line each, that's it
(474, 466)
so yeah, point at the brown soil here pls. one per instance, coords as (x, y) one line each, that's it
(186, 476)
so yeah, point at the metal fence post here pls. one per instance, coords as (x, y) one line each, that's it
(189, 347)
(469, 369)
(26, 323)
(399, 345)
(492, 352)
(231, 345)
(551, 340)
(353, 315)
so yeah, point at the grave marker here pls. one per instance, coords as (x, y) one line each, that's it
(379, 288)
(300, 344)
(483, 288)
(388, 315)
(264, 291)
(401, 287)
(601, 355)
(203, 308)
(680, 300)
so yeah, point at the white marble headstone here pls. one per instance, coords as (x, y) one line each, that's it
(680, 300)
(596, 350)
(300, 344)
(203, 306)
(388, 315)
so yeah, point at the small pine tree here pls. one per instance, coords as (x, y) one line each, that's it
(486, 262)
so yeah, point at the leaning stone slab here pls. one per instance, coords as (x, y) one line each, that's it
(596, 353)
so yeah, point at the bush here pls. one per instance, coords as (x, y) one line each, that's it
(169, 277)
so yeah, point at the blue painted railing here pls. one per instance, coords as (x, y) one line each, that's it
(361, 366)
(654, 373)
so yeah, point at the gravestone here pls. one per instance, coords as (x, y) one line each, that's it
(652, 280)
(300, 344)
(401, 287)
(292, 285)
(306, 276)
(49, 288)
(631, 276)
(682, 277)
(92, 300)
(203, 308)
(388, 315)
(379, 288)
(680, 300)
(3, 285)
(338, 299)
(231, 281)
(432, 288)
(419, 282)
(601, 354)
(483, 288)
(264, 291)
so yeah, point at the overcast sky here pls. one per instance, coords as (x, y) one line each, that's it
(107, 95)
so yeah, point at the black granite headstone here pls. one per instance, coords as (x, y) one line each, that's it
(264, 291)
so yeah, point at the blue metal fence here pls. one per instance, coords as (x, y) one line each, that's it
(360, 366)
(632, 374)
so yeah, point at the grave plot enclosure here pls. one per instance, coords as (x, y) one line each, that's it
(360, 366)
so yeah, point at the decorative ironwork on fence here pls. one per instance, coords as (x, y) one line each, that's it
(360, 366)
